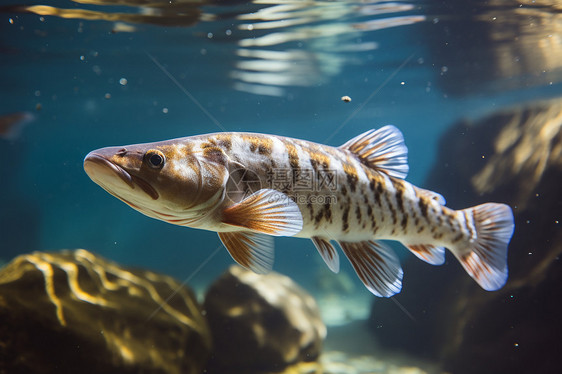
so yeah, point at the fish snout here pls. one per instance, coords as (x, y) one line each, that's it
(99, 168)
(103, 165)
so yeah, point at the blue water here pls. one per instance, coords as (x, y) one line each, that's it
(75, 70)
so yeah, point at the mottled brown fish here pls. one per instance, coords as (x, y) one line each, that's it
(250, 187)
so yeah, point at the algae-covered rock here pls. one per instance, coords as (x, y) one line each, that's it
(74, 312)
(515, 157)
(261, 322)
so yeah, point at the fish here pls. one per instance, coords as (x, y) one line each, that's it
(12, 124)
(251, 187)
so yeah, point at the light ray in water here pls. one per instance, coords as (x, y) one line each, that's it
(186, 92)
(185, 281)
(403, 308)
(375, 92)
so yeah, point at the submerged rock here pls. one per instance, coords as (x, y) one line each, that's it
(75, 312)
(261, 322)
(492, 46)
(514, 157)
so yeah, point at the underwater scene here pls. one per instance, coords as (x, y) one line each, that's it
(384, 178)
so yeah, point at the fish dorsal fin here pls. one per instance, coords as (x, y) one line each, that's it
(251, 250)
(267, 211)
(383, 150)
(429, 253)
(432, 195)
(376, 265)
(328, 253)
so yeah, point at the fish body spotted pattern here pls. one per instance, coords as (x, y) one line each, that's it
(250, 187)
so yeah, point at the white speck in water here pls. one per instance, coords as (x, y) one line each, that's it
(528, 221)
(250, 27)
(165, 110)
(530, 253)
(516, 345)
(82, 58)
(435, 20)
(420, 60)
(37, 93)
(210, 35)
(444, 69)
(123, 81)
(107, 95)
(228, 32)
(402, 83)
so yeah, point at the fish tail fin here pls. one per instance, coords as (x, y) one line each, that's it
(485, 259)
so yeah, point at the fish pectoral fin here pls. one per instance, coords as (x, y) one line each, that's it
(251, 250)
(432, 195)
(267, 211)
(383, 150)
(377, 266)
(328, 253)
(429, 253)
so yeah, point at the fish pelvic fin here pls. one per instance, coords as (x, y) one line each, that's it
(377, 266)
(249, 249)
(328, 253)
(383, 150)
(486, 259)
(266, 211)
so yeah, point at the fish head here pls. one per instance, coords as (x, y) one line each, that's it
(167, 180)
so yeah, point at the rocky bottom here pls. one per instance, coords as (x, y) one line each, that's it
(73, 311)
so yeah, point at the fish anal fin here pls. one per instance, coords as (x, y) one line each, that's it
(328, 253)
(486, 259)
(251, 250)
(383, 150)
(429, 253)
(267, 211)
(376, 265)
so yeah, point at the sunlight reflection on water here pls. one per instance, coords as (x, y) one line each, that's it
(283, 42)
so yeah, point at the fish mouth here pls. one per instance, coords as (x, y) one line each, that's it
(97, 166)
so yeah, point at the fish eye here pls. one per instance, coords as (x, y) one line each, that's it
(155, 159)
